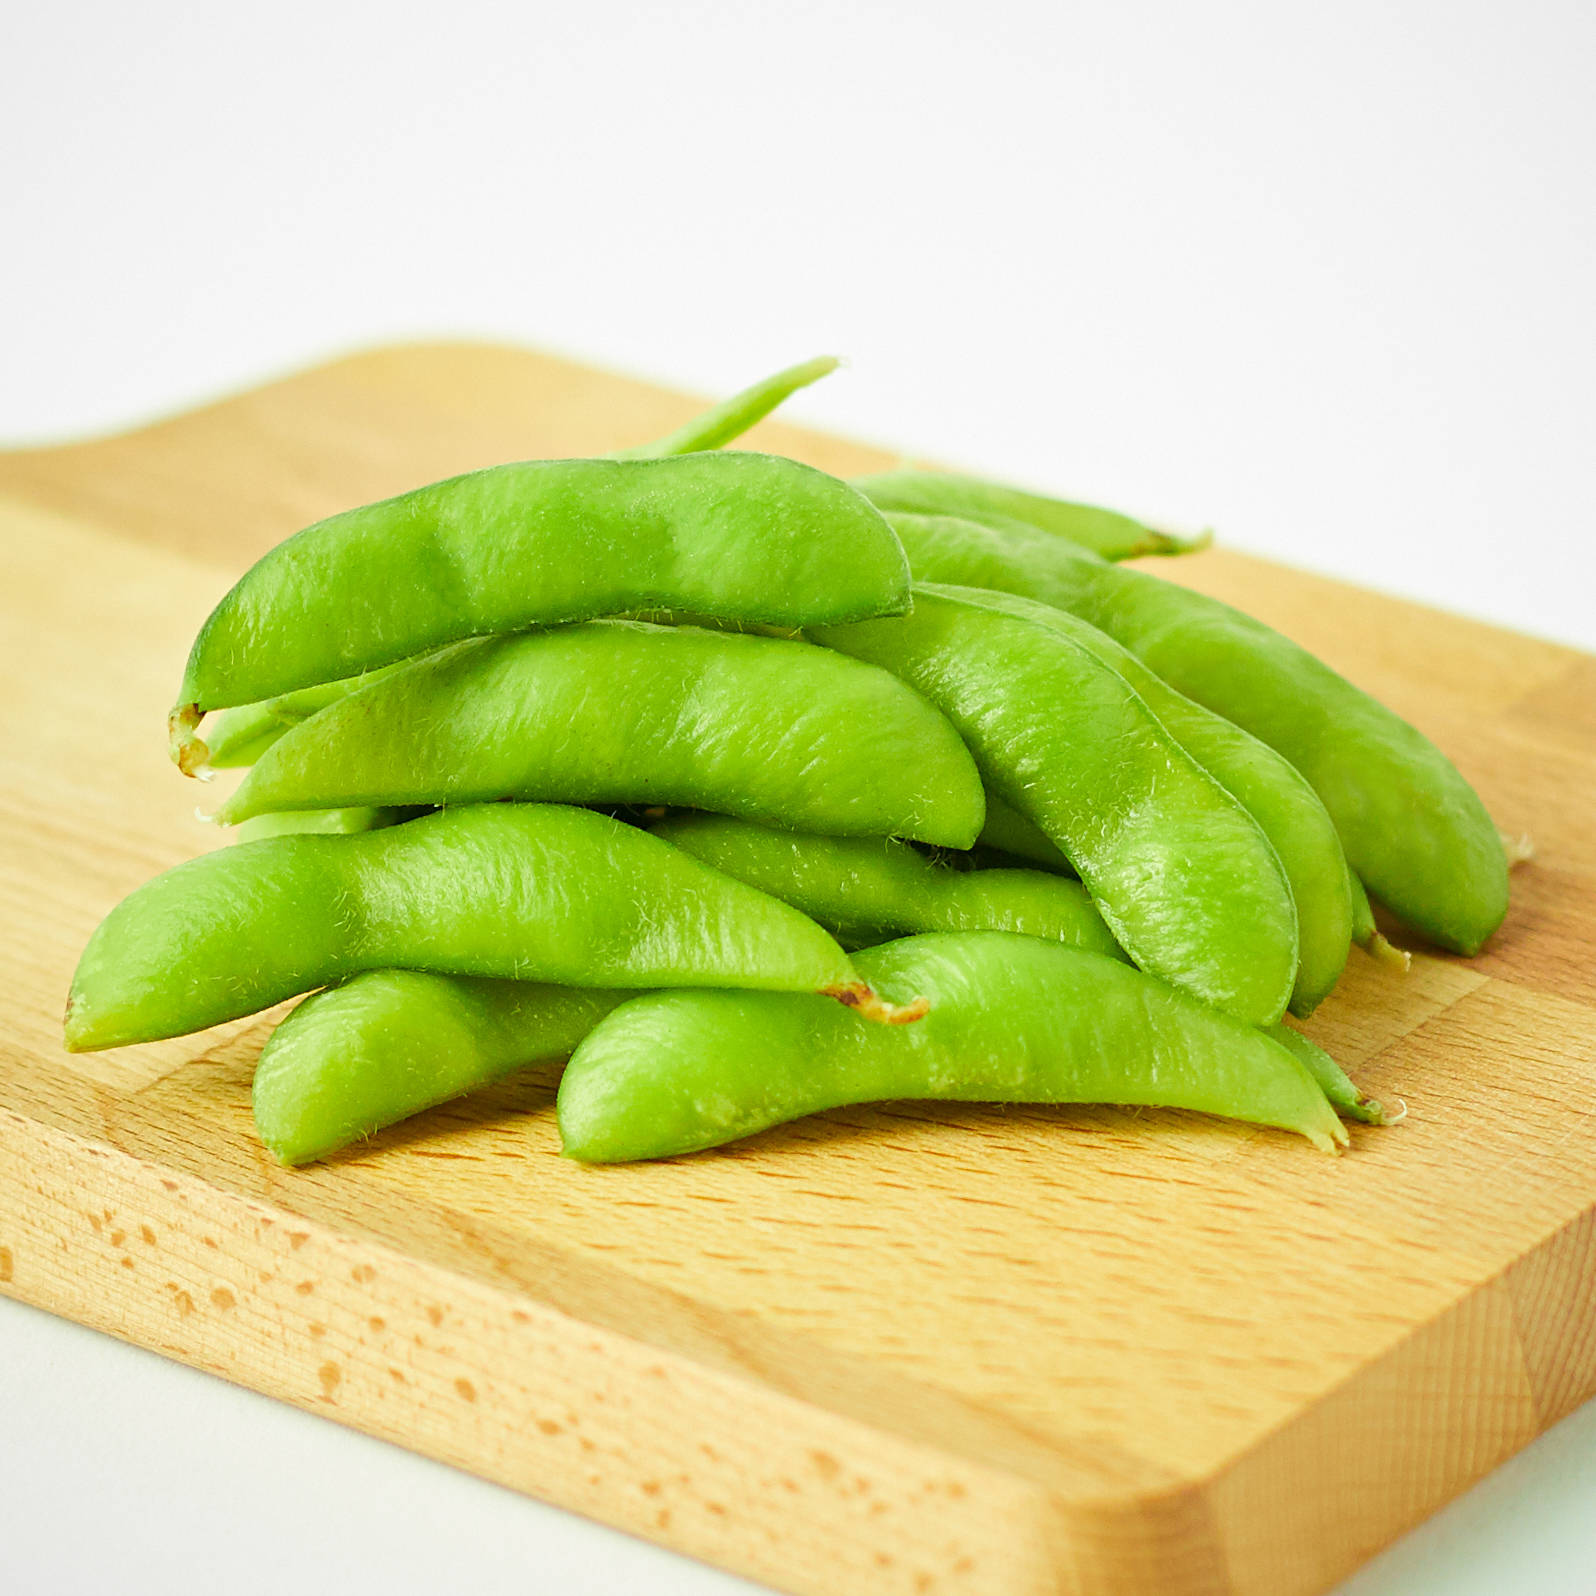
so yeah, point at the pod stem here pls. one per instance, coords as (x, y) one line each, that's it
(1519, 849)
(1387, 953)
(1368, 1110)
(189, 751)
(870, 1005)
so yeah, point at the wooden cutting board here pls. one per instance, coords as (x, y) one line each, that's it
(895, 1349)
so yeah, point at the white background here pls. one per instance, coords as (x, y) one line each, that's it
(1320, 276)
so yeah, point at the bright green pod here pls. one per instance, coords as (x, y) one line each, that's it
(615, 712)
(1187, 883)
(1412, 828)
(240, 735)
(1367, 935)
(750, 537)
(720, 424)
(1337, 1086)
(536, 892)
(1104, 532)
(867, 889)
(390, 1043)
(1013, 1019)
(1265, 784)
(1008, 831)
(321, 822)
(1363, 926)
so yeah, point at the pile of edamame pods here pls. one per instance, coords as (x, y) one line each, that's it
(757, 792)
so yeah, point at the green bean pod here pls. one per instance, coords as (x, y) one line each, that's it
(720, 424)
(626, 712)
(240, 735)
(1368, 936)
(323, 822)
(1181, 873)
(866, 889)
(390, 1043)
(1411, 826)
(746, 536)
(1334, 1082)
(536, 892)
(1104, 532)
(1013, 1020)
(1008, 831)
(1265, 784)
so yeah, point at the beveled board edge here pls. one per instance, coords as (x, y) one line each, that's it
(494, 1382)
(725, 1466)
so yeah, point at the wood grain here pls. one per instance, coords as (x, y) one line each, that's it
(891, 1349)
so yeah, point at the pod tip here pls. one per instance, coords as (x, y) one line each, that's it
(74, 1028)
(1327, 1141)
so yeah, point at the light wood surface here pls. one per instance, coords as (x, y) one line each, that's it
(895, 1349)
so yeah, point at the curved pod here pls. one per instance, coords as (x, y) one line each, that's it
(1412, 827)
(1187, 883)
(1104, 532)
(523, 891)
(1013, 1020)
(390, 1043)
(731, 418)
(744, 536)
(1265, 784)
(867, 889)
(627, 712)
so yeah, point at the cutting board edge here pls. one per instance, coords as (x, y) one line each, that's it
(180, 1252)
(1526, 1335)
(151, 1231)
(358, 360)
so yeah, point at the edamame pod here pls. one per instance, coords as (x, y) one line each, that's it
(240, 735)
(389, 1043)
(730, 419)
(867, 889)
(1104, 532)
(1008, 831)
(1368, 936)
(536, 892)
(1362, 911)
(626, 712)
(1412, 827)
(1334, 1082)
(1187, 883)
(1013, 1020)
(1266, 785)
(747, 536)
(322, 822)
